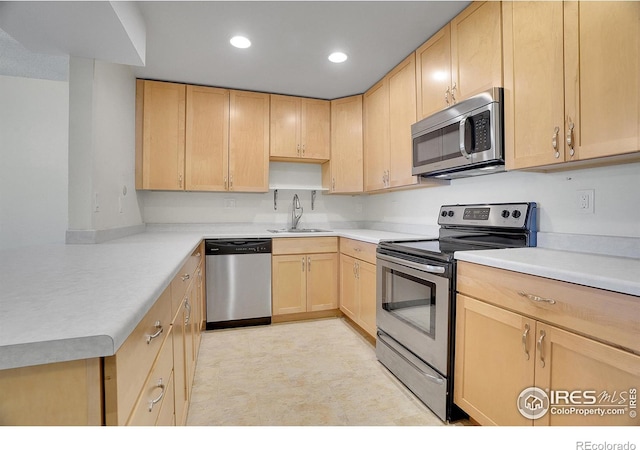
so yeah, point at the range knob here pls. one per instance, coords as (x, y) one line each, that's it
(505, 213)
(516, 214)
(450, 214)
(443, 214)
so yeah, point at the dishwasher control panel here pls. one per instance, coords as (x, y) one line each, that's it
(236, 246)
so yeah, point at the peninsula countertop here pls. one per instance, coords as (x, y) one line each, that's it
(67, 302)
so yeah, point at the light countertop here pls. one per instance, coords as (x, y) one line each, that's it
(605, 272)
(68, 302)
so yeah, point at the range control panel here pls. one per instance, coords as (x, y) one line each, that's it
(496, 215)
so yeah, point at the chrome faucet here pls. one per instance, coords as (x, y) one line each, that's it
(296, 212)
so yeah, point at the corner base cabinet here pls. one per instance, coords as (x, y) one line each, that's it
(577, 345)
(358, 283)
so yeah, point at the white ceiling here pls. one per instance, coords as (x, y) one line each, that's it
(189, 41)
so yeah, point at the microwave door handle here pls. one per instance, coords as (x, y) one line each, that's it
(463, 125)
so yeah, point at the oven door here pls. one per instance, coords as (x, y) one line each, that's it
(413, 307)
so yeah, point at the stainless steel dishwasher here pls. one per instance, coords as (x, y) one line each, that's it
(238, 282)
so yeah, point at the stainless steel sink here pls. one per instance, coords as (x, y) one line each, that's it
(299, 230)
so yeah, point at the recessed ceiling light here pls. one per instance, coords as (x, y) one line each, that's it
(240, 42)
(337, 57)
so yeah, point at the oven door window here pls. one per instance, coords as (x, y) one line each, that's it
(410, 299)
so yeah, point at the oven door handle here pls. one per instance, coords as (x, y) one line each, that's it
(438, 380)
(414, 265)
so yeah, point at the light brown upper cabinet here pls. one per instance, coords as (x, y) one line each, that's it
(160, 135)
(300, 128)
(343, 173)
(461, 60)
(248, 141)
(388, 113)
(207, 139)
(572, 89)
(201, 138)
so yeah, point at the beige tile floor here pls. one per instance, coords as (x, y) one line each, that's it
(311, 373)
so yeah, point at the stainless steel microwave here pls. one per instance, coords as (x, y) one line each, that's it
(463, 140)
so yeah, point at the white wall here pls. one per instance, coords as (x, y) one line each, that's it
(617, 199)
(33, 161)
(102, 146)
(617, 203)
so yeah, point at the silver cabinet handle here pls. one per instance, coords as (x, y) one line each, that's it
(159, 397)
(357, 270)
(333, 184)
(570, 137)
(453, 93)
(226, 183)
(540, 353)
(354, 269)
(180, 180)
(535, 298)
(463, 125)
(303, 149)
(446, 96)
(554, 141)
(185, 277)
(309, 263)
(159, 327)
(303, 263)
(187, 306)
(525, 337)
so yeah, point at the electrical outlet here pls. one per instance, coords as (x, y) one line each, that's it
(585, 201)
(229, 203)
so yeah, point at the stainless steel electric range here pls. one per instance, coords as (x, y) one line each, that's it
(416, 286)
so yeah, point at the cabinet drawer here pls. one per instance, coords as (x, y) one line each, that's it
(184, 277)
(603, 315)
(126, 371)
(294, 246)
(157, 390)
(358, 249)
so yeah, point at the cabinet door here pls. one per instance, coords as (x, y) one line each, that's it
(602, 77)
(181, 395)
(315, 128)
(163, 135)
(433, 73)
(575, 363)
(534, 83)
(345, 168)
(348, 291)
(248, 142)
(284, 126)
(288, 285)
(376, 136)
(367, 295)
(322, 281)
(476, 49)
(494, 362)
(402, 114)
(207, 139)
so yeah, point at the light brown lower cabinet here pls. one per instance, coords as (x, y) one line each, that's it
(505, 345)
(358, 283)
(147, 382)
(304, 275)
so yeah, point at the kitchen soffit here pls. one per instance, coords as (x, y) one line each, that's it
(189, 41)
